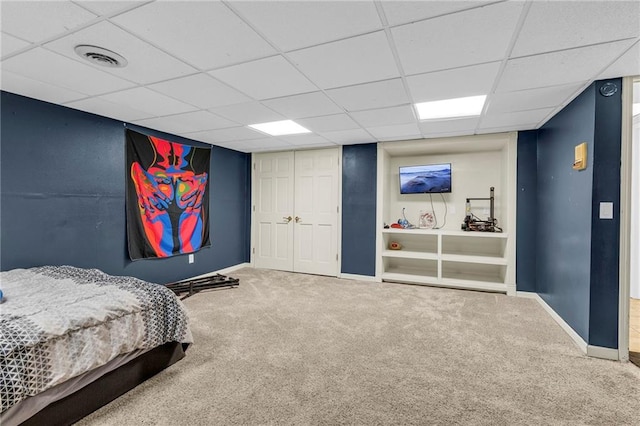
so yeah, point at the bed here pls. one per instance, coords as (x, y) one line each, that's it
(73, 339)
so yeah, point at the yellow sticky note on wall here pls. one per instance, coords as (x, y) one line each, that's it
(580, 160)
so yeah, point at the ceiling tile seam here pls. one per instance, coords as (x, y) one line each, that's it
(503, 64)
(288, 59)
(85, 95)
(148, 86)
(396, 58)
(150, 43)
(114, 13)
(87, 64)
(477, 64)
(602, 43)
(480, 6)
(583, 87)
(567, 101)
(528, 89)
(98, 19)
(190, 112)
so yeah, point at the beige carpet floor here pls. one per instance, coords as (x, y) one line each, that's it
(296, 349)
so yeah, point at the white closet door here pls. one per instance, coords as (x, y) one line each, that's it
(274, 189)
(316, 212)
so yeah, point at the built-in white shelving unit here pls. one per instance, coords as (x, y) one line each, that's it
(448, 256)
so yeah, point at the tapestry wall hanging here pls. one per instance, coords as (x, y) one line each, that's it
(167, 197)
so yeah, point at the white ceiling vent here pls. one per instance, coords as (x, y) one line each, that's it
(100, 56)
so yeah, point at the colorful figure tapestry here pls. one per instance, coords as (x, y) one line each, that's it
(167, 197)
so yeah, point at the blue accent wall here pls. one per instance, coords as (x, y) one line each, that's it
(62, 198)
(359, 171)
(527, 204)
(605, 234)
(565, 252)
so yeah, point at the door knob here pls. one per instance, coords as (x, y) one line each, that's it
(298, 219)
(287, 218)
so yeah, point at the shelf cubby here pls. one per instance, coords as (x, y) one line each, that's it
(448, 256)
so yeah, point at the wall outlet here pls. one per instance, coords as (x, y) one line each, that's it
(452, 209)
(191, 258)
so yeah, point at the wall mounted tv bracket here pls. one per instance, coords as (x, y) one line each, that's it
(474, 223)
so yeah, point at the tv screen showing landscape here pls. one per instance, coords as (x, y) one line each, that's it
(426, 179)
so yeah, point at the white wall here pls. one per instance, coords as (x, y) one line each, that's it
(472, 175)
(635, 210)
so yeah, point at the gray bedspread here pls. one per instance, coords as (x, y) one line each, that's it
(60, 321)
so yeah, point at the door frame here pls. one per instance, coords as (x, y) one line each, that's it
(626, 187)
(253, 230)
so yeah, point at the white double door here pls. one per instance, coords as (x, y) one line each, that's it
(295, 211)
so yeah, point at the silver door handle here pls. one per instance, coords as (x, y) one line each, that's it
(287, 218)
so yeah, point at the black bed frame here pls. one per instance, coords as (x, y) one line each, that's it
(108, 387)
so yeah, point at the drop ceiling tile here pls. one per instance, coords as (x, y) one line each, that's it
(306, 105)
(36, 21)
(515, 118)
(370, 95)
(205, 34)
(455, 83)
(16, 83)
(108, 7)
(348, 137)
(11, 44)
(146, 64)
(248, 113)
(306, 140)
(385, 116)
(200, 90)
(627, 65)
(522, 100)
(109, 109)
(309, 22)
(265, 78)
(226, 135)
(461, 125)
(232, 146)
(518, 128)
(42, 65)
(352, 61)
(189, 122)
(328, 123)
(396, 132)
(257, 145)
(148, 101)
(437, 44)
(557, 68)
(402, 12)
(556, 25)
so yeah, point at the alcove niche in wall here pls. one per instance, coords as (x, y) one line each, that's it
(449, 256)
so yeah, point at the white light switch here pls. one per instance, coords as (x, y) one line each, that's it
(191, 258)
(606, 210)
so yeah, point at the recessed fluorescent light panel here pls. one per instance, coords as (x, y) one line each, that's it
(279, 128)
(451, 108)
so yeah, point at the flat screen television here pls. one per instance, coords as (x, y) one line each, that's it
(426, 179)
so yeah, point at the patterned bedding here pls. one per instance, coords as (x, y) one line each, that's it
(58, 322)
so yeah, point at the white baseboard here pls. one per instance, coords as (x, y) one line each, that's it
(224, 271)
(589, 350)
(602, 352)
(577, 339)
(511, 289)
(358, 277)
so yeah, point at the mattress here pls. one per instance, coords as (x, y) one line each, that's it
(60, 322)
